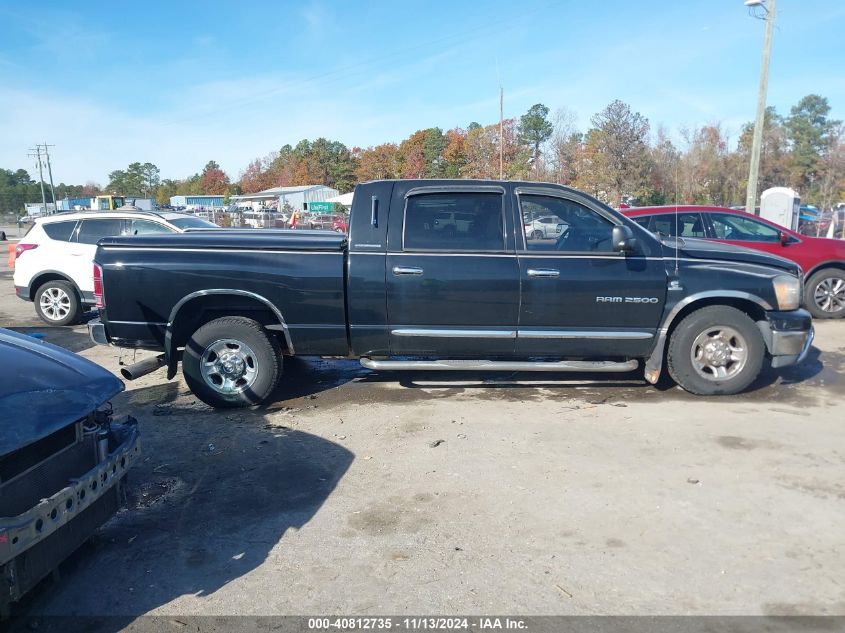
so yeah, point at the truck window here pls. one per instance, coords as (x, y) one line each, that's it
(688, 225)
(740, 228)
(92, 230)
(576, 228)
(454, 222)
(59, 231)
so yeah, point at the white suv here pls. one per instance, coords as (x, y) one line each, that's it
(53, 259)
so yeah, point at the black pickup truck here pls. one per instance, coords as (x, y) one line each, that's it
(449, 275)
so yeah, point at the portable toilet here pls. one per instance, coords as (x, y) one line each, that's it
(781, 205)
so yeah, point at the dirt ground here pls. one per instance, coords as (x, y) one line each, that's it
(360, 493)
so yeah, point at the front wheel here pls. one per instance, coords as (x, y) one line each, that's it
(824, 294)
(232, 362)
(717, 350)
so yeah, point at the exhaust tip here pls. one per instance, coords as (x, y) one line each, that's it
(126, 373)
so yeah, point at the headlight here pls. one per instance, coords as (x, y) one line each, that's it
(787, 291)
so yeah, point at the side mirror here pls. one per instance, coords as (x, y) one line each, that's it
(623, 239)
(783, 237)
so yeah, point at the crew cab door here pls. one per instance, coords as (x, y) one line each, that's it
(452, 287)
(579, 296)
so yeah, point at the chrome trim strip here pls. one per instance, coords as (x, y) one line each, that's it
(576, 334)
(455, 333)
(217, 250)
(492, 365)
(137, 322)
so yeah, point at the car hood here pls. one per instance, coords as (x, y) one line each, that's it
(45, 388)
(705, 249)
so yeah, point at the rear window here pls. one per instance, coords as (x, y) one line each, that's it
(683, 225)
(456, 222)
(93, 230)
(59, 231)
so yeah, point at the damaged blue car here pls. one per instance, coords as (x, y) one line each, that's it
(63, 460)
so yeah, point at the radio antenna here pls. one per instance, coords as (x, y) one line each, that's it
(677, 228)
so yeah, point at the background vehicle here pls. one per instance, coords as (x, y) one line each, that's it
(402, 293)
(53, 260)
(822, 260)
(63, 461)
(544, 228)
(341, 224)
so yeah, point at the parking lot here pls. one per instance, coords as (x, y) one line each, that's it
(363, 493)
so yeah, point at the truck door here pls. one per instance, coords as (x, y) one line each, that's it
(452, 273)
(579, 297)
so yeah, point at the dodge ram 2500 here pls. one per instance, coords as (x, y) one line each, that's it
(406, 291)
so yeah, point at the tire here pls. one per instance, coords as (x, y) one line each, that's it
(537, 235)
(824, 294)
(698, 347)
(57, 303)
(240, 345)
(2, 236)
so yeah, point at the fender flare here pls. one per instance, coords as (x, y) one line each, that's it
(170, 355)
(654, 363)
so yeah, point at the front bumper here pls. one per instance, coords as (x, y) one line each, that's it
(24, 531)
(97, 332)
(788, 336)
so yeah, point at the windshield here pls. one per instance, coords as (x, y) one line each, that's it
(192, 223)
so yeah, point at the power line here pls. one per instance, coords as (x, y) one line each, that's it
(50, 174)
(37, 154)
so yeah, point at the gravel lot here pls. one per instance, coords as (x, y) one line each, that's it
(359, 493)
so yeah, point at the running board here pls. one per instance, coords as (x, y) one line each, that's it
(501, 365)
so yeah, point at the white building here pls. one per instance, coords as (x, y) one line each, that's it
(280, 197)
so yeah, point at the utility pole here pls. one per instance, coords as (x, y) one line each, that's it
(501, 132)
(50, 174)
(37, 154)
(754, 169)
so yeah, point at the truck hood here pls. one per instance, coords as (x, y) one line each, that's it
(705, 249)
(45, 388)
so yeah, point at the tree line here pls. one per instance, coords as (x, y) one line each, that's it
(621, 157)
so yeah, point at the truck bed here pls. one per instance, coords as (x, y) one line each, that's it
(300, 274)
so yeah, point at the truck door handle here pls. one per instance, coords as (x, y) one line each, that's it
(407, 270)
(543, 273)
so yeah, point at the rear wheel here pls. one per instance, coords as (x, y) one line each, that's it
(824, 294)
(57, 303)
(716, 350)
(232, 362)
(537, 235)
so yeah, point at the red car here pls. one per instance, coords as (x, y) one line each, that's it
(821, 259)
(341, 224)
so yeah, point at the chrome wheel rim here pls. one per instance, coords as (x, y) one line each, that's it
(55, 304)
(719, 353)
(829, 294)
(229, 366)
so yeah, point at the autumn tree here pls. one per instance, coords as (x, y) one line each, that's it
(214, 180)
(774, 152)
(454, 153)
(377, 163)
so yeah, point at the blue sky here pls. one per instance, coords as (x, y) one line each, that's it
(180, 83)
